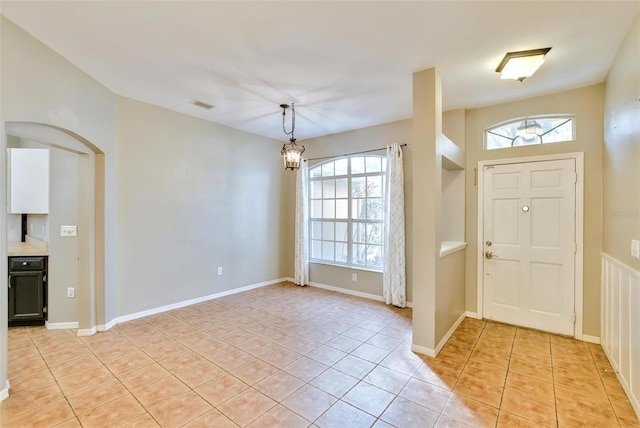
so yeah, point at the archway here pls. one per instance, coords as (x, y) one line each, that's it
(91, 225)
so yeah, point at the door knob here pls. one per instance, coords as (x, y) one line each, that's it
(489, 255)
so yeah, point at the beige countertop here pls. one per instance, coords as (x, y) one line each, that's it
(33, 247)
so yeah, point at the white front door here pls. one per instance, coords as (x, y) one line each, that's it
(529, 244)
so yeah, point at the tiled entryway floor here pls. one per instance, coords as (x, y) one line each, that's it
(286, 356)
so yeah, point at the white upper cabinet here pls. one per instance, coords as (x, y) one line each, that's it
(28, 178)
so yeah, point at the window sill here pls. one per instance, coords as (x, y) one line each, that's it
(449, 247)
(345, 266)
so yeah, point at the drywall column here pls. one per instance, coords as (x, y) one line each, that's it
(86, 246)
(427, 127)
(4, 390)
(63, 251)
(101, 292)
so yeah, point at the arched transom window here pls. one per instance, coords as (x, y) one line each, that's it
(530, 131)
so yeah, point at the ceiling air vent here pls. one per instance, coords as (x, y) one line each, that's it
(202, 104)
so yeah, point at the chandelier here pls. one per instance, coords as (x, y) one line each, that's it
(291, 152)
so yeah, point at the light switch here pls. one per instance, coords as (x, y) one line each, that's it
(635, 248)
(68, 231)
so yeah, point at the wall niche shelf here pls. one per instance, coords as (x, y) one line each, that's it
(452, 203)
(449, 247)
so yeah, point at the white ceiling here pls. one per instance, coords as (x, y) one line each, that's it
(346, 65)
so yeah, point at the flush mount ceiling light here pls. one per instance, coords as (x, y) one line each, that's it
(291, 152)
(522, 64)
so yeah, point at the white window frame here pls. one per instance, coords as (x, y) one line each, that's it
(568, 117)
(349, 221)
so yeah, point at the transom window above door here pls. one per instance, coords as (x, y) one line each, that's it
(346, 216)
(530, 131)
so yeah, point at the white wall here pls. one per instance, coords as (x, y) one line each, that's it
(622, 152)
(450, 269)
(449, 293)
(193, 196)
(38, 226)
(621, 205)
(14, 221)
(586, 104)
(453, 214)
(63, 251)
(38, 85)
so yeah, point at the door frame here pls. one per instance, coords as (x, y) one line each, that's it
(579, 231)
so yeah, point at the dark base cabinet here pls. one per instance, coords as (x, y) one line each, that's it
(27, 291)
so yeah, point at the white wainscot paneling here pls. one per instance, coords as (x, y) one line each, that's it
(620, 324)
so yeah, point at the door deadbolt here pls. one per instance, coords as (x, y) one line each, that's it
(488, 243)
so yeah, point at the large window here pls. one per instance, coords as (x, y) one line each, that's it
(347, 211)
(530, 131)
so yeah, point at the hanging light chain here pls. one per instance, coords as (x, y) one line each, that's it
(293, 119)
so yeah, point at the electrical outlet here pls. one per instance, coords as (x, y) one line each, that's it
(219, 270)
(71, 292)
(635, 248)
(354, 277)
(68, 231)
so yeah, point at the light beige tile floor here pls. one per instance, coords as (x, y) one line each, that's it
(286, 356)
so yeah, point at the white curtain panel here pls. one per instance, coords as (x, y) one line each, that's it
(301, 270)
(394, 278)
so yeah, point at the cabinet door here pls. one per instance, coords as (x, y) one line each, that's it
(28, 181)
(26, 296)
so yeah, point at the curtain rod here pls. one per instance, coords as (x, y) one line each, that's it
(349, 154)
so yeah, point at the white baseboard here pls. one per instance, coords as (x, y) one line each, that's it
(434, 352)
(4, 393)
(107, 326)
(60, 325)
(473, 315)
(87, 331)
(160, 309)
(347, 291)
(350, 292)
(197, 300)
(423, 350)
(591, 339)
(449, 333)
